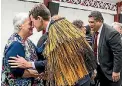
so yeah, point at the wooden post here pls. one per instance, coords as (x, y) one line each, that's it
(46, 4)
(116, 17)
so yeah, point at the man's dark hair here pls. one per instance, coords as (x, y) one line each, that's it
(97, 16)
(40, 10)
(78, 23)
(88, 30)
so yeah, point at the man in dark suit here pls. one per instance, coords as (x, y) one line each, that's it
(107, 49)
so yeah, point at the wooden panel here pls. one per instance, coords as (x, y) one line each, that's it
(119, 9)
(46, 3)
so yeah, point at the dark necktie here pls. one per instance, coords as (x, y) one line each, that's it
(95, 43)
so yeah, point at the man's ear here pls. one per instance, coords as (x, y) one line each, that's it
(39, 18)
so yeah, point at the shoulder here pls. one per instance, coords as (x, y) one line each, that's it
(14, 49)
(112, 35)
(16, 44)
(109, 30)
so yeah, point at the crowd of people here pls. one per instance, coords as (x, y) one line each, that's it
(67, 54)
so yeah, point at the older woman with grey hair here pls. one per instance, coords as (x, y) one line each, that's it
(117, 26)
(19, 44)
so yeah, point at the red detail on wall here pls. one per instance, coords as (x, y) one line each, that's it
(121, 6)
(46, 2)
(117, 16)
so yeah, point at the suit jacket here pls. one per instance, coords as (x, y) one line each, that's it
(41, 62)
(110, 51)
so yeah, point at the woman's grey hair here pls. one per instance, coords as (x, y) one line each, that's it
(118, 24)
(19, 20)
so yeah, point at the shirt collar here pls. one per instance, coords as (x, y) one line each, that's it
(100, 29)
(47, 28)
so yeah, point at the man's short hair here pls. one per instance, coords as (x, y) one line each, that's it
(97, 16)
(78, 23)
(40, 10)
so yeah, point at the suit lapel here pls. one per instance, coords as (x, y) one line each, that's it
(42, 40)
(102, 35)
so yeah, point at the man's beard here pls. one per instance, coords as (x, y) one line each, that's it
(41, 28)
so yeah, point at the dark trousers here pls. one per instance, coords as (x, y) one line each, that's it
(104, 81)
(85, 84)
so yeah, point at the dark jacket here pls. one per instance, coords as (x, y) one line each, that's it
(110, 51)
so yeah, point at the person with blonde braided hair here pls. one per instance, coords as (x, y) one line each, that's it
(63, 46)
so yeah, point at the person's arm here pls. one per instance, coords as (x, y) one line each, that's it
(90, 59)
(15, 49)
(116, 47)
(20, 62)
(40, 65)
(30, 73)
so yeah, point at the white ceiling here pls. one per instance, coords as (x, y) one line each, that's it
(111, 1)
